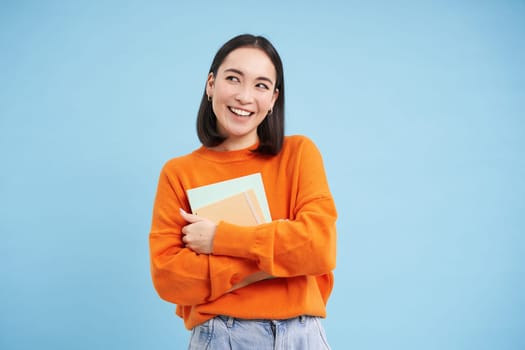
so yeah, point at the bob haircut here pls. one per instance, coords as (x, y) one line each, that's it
(271, 130)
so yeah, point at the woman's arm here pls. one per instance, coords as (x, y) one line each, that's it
(198, 236)
(180, 275)
(303, 245)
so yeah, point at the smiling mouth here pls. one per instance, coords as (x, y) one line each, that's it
(240, 112)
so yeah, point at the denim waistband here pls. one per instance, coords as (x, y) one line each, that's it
(230, 321)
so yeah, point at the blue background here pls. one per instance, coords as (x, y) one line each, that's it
(417, 106)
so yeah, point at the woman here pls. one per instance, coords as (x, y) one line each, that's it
(247, 287)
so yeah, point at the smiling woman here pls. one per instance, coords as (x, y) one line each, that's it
(243, 93)
(244, 287)
(270, 131)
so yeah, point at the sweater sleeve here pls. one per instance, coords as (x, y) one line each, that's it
(304, 244)
(180, 275)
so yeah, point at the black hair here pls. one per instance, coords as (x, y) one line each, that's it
(271, 130)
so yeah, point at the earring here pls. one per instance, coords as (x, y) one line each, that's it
(270, 112)
(209, 98)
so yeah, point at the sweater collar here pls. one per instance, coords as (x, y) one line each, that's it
(227, 156)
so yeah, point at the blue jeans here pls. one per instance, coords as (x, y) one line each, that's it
(224, 332)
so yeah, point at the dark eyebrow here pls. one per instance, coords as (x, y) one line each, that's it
(233, 70)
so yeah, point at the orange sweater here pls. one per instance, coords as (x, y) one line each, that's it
(300, 250)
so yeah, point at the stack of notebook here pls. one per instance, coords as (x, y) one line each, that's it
(240, 201)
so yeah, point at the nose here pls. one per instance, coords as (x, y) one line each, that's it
(244, 95)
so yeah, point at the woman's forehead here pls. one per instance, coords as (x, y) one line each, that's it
(249, 61)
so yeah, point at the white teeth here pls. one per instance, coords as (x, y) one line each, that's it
(240, 112)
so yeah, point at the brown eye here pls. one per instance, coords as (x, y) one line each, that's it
(232, 78)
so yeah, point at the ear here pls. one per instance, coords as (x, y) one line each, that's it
(210, 84)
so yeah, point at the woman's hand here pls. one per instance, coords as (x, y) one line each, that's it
(199, 233)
